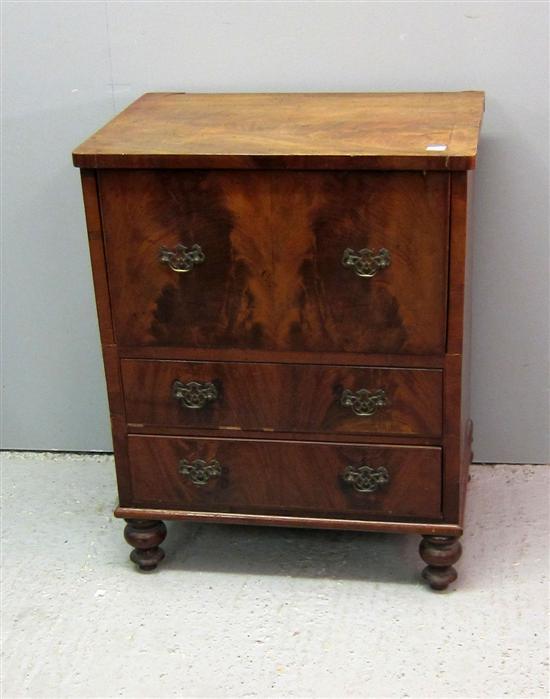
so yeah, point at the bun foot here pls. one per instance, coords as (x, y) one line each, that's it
(145, 535)
(440, 552)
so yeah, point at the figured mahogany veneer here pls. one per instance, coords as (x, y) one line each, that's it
(285, 478)
(273, 242)
(282, 294)
(285, 397)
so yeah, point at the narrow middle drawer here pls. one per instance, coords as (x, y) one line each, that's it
(283, 397)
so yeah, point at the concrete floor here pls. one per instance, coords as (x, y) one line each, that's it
(259, 612)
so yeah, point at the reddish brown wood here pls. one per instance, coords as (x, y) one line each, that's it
(396, 526)
(109, 349)
(231, 432)
(395, 361)
(292, 478)
(451, 437)
(457, 424)
(274, 188)
(440, 552)
(97, 254)
(457, 262)
(467, 428)
(284, 397)
(273, 277)
(118, 418)
(145, 535)
(324, 131)
(320, 304)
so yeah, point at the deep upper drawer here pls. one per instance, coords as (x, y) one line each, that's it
(344, 480)
(278, 261)
(283, 397)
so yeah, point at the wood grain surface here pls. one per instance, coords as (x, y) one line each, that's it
(458, 428)
(273, 277)
(284, 397)
(274, 188)
(398, 526)
(242, 354)
(349, 131)
(284, 477)
(111, 361)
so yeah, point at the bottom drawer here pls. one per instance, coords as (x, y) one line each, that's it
(276, 477)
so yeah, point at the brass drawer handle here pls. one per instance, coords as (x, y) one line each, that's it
(366, 479)
(199, 471)
(182, 259)
(194, 394)
(363, 401)
(366, 262)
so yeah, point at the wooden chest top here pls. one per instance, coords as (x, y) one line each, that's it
(419, 131)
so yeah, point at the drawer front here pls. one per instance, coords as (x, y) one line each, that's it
(278, 261)
(283, 397)
(299, 478)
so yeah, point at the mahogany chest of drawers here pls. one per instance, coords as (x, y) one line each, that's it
(281, 284)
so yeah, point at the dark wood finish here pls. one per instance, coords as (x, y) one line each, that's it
(325, 131)
(423, 361)
(275, 188)
(457, 262)
(97, 254)
(273, 277)
(440, 552)
(458, 429)
(467, 428)
(232, 432)
(322, 305)
(145, 535)
(109, 349)
(360, 525)
(284, 397)
(451, 437)
(292, 478)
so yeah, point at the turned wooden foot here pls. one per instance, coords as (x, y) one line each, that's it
(440, 552)
(145, 535)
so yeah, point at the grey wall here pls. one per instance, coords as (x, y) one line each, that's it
(69, 67)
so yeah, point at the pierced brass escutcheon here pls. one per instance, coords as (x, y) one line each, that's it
(366, 479)
(182, 259)
(194, 394)
(199, 471)
(366, 262)
(363, 401)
